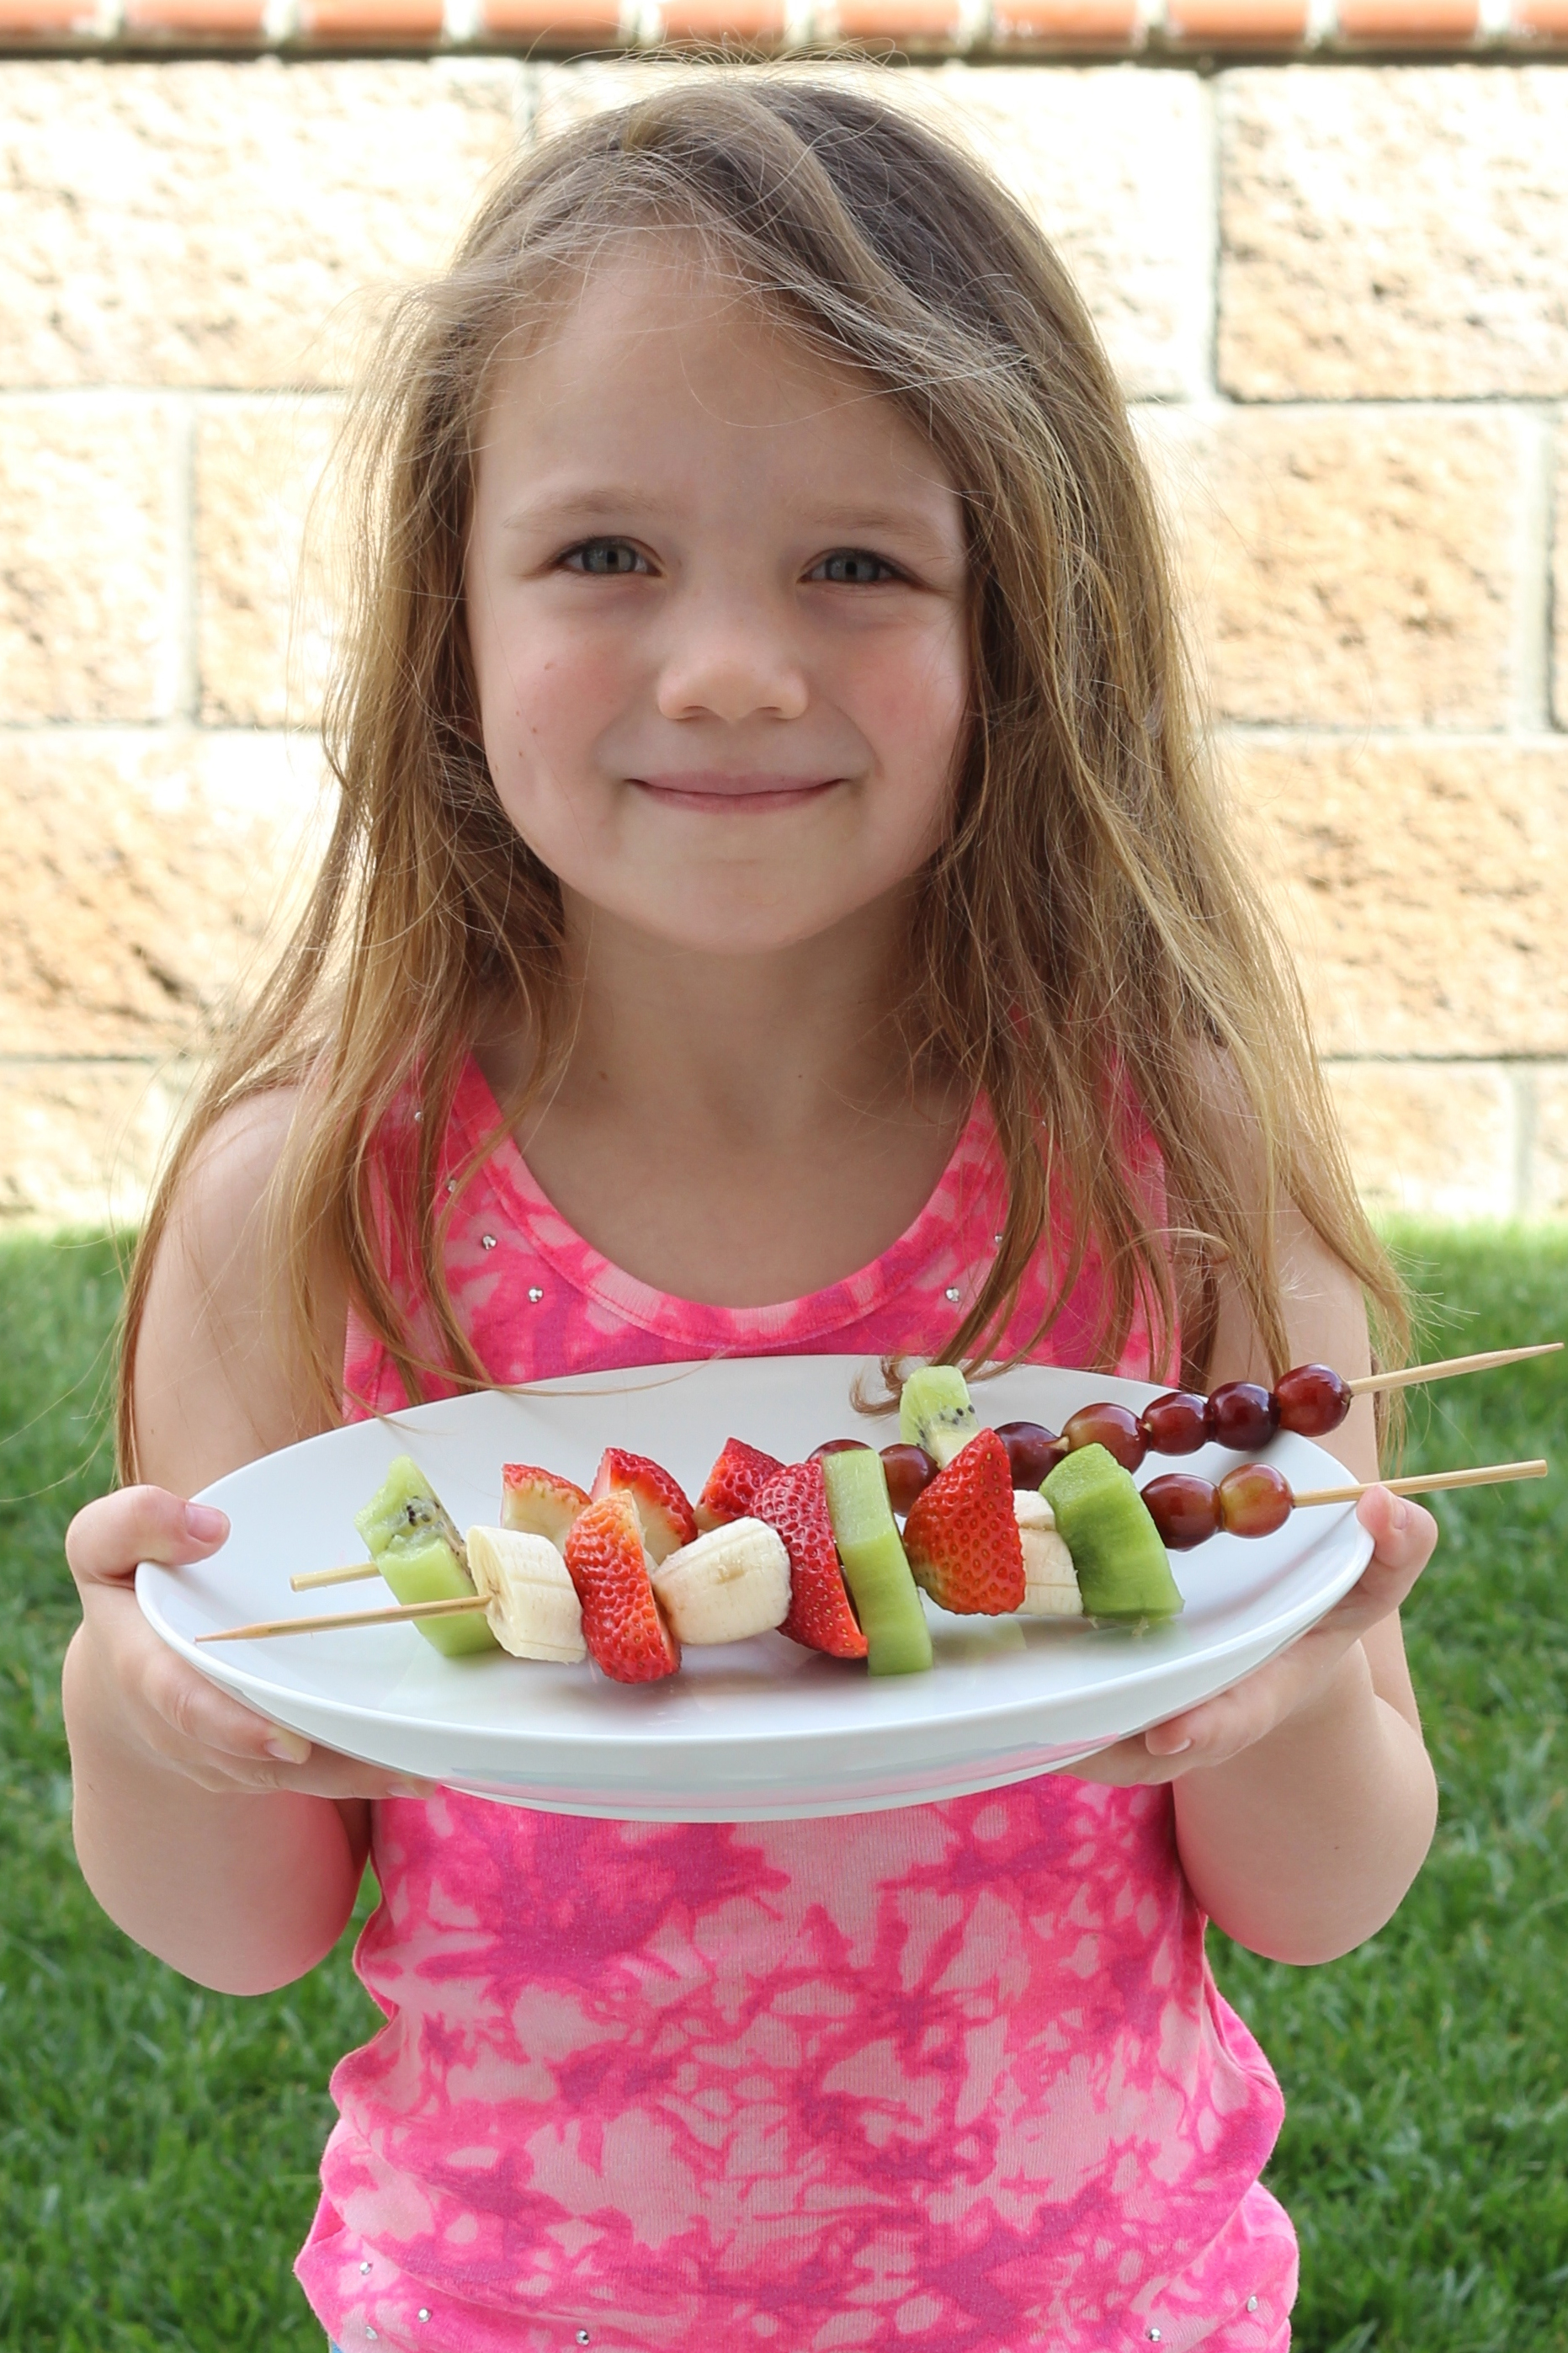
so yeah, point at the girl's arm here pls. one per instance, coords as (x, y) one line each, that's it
(227, 1846)
(1305, 1801)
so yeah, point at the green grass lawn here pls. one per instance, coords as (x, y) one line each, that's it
(158, 2144)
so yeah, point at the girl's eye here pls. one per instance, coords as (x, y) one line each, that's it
(853, 567)
(605, 559)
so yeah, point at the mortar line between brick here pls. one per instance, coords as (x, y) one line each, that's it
(1532, 562)
(1521, 1080)
(111, 732)
(183, 685)
(1213, 389)
(1548, 1059)
(1279, 735)
(1511, 1139)
(81, 397)
(524, 106)
(1268, 734)
(1556, 588)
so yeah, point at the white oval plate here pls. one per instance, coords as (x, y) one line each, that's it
(754, 1731)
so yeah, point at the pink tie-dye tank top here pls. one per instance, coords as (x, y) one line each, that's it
(951, 2079)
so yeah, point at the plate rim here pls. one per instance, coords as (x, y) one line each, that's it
(265, 1693)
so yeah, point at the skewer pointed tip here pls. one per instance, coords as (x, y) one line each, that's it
(1411, 1376)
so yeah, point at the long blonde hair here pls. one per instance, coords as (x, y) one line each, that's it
(1087, 937)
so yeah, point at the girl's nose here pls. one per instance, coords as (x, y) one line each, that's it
(730, 664)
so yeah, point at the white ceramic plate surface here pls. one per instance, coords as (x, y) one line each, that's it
(752, 1731)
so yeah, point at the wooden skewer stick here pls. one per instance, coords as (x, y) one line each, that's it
(349, 1575)
(1491, 1474)
(1413, 1373)
(458, 1607)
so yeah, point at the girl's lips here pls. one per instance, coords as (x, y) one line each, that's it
(715, 794)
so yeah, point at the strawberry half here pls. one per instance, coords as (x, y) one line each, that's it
(667, 1519)
(622, 1624)
(539, 1502)
(794, 1502)
(735, 1481)
(962, 1535)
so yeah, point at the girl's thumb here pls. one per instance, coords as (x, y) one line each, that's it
(107, 1539)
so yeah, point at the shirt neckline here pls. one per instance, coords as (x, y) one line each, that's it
(967, 1187)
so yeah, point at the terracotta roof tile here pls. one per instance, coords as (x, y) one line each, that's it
(1056, 23)
(1240, 24)
(564, 22)
(46, 17)
(750, 22)
(921, 21)
(392, 22)
(1320, 29)
(216, 20)
(1429, 22)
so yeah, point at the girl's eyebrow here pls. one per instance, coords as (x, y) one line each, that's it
(605, 499)
(611, 503)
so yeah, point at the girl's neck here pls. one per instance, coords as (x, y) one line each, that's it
(747, 1050)
(736, 1130)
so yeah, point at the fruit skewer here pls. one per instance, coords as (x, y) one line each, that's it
(1312, 1400)
(1247, 1512)
(1254, 1498)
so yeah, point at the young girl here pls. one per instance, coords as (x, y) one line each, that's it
(776, 905)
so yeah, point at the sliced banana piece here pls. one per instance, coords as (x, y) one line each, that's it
(1050, 1582)
(731, 1583)
(533, 1611)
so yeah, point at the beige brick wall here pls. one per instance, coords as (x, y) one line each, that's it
(1336, 293)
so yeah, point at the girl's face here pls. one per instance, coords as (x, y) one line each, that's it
(716, 601)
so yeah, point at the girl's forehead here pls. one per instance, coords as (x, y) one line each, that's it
(659, 325)
(662, 374)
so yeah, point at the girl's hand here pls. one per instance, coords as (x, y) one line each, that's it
(1404, 1536)
(148, 1699)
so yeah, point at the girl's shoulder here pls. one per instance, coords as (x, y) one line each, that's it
(216, 1380)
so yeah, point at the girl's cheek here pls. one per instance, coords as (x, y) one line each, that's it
(551, 707)
(917, 717)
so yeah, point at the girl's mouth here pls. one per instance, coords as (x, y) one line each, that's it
(714, 792)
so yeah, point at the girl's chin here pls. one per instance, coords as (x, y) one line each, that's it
(720, 922)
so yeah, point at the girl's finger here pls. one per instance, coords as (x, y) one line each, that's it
(1404, 1539)
(1222, 1728)
(328, 1775)
(1404, 1536)
(198, 1716)
(225, 1746)
(108, 1538)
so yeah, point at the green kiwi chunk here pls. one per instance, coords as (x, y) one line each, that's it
(1123, 1569)
(934, 1411)
(419, 1552)
(898, 1639)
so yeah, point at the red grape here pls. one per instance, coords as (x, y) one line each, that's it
(837, 1446)
(1174, 1423)
(1314, 1401)
(1242, 1416)
(1185, 1508)
(910, 1469)
(1032, 1451)
(1111, 1426)
(1253, 1500)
